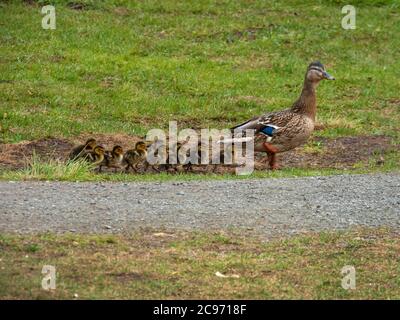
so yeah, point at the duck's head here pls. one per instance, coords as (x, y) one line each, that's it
(316, 72)
(141, 146)
(99, 150)
(90, 144)
(117, 150)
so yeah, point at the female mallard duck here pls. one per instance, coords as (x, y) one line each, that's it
(284, 130)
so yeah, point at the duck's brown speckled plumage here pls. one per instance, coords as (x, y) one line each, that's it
(96, 157)
(294, 130)
(113, 159)
(295, 125)
(132, 158)
(82, 151)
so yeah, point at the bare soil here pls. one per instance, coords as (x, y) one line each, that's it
(339, 153)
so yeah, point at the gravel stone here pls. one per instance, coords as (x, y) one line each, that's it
(271, 207)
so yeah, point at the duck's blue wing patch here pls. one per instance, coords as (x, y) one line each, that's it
(268, 130)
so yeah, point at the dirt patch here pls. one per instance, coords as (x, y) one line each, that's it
(339, 153)
(16, 156)
(122, 11)
(78, 5)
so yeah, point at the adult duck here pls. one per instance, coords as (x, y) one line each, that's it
(285, 130)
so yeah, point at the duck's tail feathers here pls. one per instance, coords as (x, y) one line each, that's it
(250, 124)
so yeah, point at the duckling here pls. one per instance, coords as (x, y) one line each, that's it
(155, 147)
(133, 157)
(168, 165)
(284, 130)
(189, 165)
(222, 157)
(96, 157)
(113, 159)
(83, 150)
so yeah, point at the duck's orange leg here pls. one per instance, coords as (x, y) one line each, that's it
(271, 151)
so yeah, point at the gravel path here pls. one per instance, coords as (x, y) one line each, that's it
(269, 206)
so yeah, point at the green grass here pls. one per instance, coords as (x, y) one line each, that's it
(36, 169)
(124, 66)
(54, 170)
(154, 264)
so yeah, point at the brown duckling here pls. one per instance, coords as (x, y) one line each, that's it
(132, 158)
(167, 165)
(197, 160)
(113, 159)
(153, 146)
(83, 150)
(96, 157)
